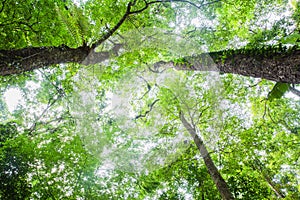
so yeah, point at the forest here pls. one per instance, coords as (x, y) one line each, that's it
(150, 99)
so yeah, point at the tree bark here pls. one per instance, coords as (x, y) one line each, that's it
(275, 64)
(271, 63)
(28, 59)
(212, 169)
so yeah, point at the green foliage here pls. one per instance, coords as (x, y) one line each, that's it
(14, 163)
(76, 24)
(69, 142)
(170, 101)
(7, 131)
(278, 91)
(185, 173)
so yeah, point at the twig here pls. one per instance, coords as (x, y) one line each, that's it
(294, 91)
(250, 86)
(149, 87)
(265, 110)
(148, 111)
(3, 3)
(129, 12)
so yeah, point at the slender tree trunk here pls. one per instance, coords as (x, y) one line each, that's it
(278, 193)
(259, 167)
(272, 64)
(212, 169)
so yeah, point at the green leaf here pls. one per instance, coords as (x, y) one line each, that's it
(278, 91)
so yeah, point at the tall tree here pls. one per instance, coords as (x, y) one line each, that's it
(272, 63)
(212, 169)
(109, 131)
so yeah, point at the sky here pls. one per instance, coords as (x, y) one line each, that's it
(78, 2)
(13, 97)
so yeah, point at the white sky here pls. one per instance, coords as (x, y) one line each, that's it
(78, 2)
(13, 97)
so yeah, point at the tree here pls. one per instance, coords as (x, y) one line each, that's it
(212, 169)
(14, 164)
(272, 63)
(103, 117)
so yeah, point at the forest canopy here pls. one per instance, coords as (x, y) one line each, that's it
(141, 99)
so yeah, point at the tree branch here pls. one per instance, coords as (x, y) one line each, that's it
(149, 87)
(147, 4)
(3, 4)
(258, 165)
(115, 28)
(209, 163)
(294, 91)
(148, 111)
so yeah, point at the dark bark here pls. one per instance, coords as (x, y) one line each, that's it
(28, 59)
(212, 169)
(271, 64)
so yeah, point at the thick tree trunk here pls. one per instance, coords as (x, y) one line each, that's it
(272, 64)
(212, 169)
(28, 59)
(23, 60)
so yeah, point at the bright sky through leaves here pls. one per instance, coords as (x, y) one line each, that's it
(142, 99)
(13, 98)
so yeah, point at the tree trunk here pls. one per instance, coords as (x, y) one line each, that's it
(212, 169)
(258, 166)
(28, 59)
(272, 63)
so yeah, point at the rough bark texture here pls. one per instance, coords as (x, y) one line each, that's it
(212, 169)
(28, 59)
(277, 67)
(272, 64)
